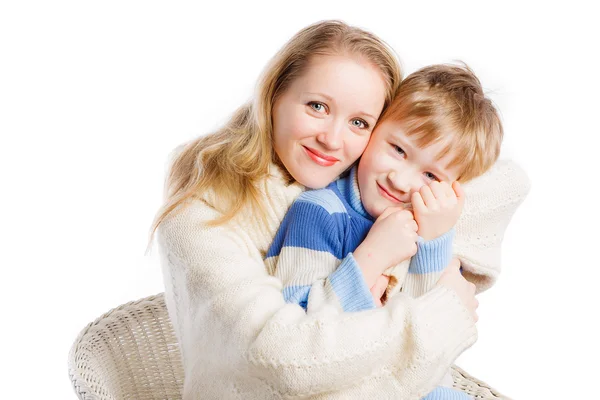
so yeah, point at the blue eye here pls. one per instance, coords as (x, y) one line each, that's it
(359, 123)
(318, 107)
(431, 176)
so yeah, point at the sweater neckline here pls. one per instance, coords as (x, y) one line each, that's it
(348, 187)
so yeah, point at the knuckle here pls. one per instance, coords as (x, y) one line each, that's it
(406, 213)
(399, 216)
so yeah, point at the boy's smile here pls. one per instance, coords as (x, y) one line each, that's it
(385, 193)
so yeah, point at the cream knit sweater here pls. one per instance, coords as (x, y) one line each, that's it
(239, 339)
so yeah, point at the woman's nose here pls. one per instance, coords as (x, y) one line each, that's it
(332, 136)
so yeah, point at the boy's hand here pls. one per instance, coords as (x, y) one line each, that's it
(378, 289)
(437, 207)
(391, 240)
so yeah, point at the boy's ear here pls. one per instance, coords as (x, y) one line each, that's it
(490, 202)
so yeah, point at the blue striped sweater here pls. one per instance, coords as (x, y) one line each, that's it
(312, 250)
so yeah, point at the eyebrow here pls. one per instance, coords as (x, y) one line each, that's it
(366, 114)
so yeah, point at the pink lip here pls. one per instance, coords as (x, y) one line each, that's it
(388, 194)
(320, 158)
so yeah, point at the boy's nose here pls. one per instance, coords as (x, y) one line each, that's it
(404, 182)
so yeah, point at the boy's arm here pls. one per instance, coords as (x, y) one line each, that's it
(426, 266)
(306, 255)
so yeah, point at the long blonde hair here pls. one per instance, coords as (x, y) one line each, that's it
(231, 161)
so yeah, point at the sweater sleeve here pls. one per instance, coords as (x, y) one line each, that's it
(426, 266)
(307, 256)
(228, 304)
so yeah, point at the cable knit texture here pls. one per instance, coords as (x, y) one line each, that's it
(239, 339)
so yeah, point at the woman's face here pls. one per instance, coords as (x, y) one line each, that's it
(323, 121)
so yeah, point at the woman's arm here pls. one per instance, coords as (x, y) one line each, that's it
(227, 304)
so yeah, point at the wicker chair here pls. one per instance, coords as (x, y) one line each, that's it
(131, 353)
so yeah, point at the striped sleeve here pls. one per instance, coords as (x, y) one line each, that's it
(307, 256)
(428, 263)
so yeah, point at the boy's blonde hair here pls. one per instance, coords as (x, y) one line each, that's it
(446, 103)
(231, 161)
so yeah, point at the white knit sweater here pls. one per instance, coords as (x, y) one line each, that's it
(239, 339)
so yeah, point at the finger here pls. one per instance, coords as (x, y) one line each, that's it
(385, 282)
(380, 286)
(413, 248)
(381, 281)
(448, 190)
(454, 264)
(406, 214)
(438, 189)
(412, 225)
(384, 286)
(417, 203)
(458, 190)
(428, 197)
(390, 210)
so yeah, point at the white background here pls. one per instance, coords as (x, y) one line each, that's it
(94, 95)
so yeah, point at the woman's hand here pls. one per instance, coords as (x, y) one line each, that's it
(391, 240)
(452, 279)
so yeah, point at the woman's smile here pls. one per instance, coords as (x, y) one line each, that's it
(320, 158)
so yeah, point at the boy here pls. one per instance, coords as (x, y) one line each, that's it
(439, 130)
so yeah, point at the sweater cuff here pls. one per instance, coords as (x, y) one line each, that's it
(350, 287)
(432, 255)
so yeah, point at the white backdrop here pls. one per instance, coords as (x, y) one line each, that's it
(94, 95)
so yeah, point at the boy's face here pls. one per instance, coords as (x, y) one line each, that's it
(393, 167)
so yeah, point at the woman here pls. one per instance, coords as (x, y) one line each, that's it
(227, 194)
